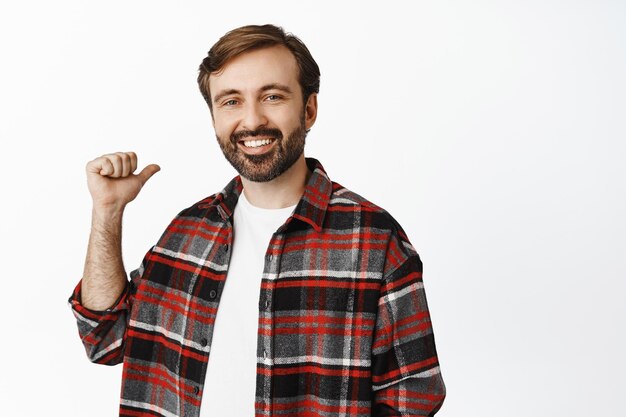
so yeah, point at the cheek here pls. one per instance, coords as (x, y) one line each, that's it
(287, 120)
(223, 127)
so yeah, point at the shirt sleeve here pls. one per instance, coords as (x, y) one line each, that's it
(103, 332)
(405, 369)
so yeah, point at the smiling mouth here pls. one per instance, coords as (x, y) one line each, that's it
(256, 143)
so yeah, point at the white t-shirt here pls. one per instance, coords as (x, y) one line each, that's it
(230, 385)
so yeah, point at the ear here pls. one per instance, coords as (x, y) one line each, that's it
(310, 111)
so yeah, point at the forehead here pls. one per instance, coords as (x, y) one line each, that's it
(257, 68)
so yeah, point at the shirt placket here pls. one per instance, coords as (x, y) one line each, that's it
(265, 345)
(223, 257)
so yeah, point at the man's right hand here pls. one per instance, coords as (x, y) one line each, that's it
(111, 181)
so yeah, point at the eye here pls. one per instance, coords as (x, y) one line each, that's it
(273, 97)
(230, 102)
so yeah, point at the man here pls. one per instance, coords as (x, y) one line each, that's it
(284, 294)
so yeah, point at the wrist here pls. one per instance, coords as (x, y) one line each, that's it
(107, 212)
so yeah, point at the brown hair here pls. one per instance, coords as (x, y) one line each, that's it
(248, 38)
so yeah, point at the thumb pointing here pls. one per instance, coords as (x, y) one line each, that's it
(147, 172)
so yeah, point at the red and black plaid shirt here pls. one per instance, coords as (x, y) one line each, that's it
(344, 328)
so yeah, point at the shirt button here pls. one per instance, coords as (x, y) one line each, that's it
(204, 342)
(225, 248)
(265, 354)
(267, 303)
(213, 294)
(196, 390)
(271, 257)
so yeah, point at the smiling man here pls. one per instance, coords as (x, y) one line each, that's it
(285, 294)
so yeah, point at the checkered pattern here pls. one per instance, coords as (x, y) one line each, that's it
(344, 328)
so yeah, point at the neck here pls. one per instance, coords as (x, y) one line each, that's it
(283, 191)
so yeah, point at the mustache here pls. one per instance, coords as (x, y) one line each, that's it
(242, 134)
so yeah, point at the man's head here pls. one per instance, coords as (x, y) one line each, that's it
(261, 86)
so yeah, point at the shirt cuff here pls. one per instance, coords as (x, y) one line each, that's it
(76, 304)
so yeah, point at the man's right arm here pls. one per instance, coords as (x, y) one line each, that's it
(112, 185)
(98, 302)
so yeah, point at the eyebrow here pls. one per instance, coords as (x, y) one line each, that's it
(276, 86)
(224, 93)
(267, 87)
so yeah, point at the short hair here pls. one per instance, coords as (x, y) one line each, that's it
(252, 37)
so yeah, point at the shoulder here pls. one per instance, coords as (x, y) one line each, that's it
(196, 220)
(201, 207)
(343, 200)
(193, 219)
(371, 217)
(375, 225)
(222, 203)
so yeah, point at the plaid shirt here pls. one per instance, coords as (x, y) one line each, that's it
(344, 328)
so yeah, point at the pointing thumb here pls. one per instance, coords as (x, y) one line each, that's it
(147, 172)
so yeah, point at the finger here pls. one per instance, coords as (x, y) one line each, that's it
(147, 172)
(94, 166)
(133, 161)
(125, 163)
(106, 167)
(100, 165)
(116, 162)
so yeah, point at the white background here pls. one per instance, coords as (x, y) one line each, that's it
(493, 131)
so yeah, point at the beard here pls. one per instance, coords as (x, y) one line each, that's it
(271, 164)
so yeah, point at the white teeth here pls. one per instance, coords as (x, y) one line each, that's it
(256, 143)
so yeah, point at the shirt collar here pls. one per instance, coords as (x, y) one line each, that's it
(311, 208)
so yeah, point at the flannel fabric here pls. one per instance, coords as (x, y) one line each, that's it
(344, 327)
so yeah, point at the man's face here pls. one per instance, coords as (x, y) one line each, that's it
(259, 118)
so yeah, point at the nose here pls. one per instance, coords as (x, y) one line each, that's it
(253, 117)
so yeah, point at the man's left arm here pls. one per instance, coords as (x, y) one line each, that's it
(405, 369)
